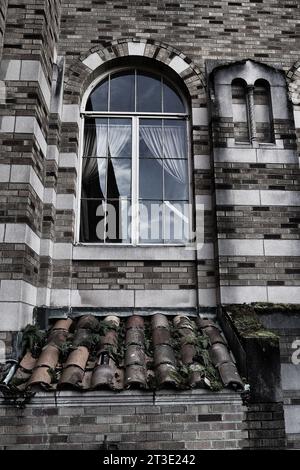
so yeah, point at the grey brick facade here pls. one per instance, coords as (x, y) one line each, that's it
(51, 51)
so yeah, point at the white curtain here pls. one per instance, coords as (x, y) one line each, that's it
(171, 141)
(100, 141)
(95, 145)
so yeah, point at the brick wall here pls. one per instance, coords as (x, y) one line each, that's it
(265, 424)
(205, 31)
(130, 275)
(192, 420)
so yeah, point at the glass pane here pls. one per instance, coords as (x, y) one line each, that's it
(93, 177)
(175, 179)
(119, 138)
(122, 92)
(176, 221)
(150, 138)
(149, 93)
(150, 221)
(174, 138)
(119, 177)
(118, 221)
(151, 179)
(98, 99)
(92, 220)
(172, 103)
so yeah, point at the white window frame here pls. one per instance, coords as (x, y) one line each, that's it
(135, 116)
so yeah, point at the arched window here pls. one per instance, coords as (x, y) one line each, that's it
(134, 186)
(263, 112)
(240, 110)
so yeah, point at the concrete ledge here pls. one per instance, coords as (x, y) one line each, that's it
(165, 298)
(92, 298)
(134, 397)
(284, 294)
(158, 298)
(248, 294)
(137, 253)
(243, 294)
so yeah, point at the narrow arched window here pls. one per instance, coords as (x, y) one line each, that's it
(240, 110)
(263, 112)
(135, 186)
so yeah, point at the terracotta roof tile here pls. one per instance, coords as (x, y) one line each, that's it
(90, 352)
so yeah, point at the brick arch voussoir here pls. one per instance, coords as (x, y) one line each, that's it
(293, 79)
(83, 70)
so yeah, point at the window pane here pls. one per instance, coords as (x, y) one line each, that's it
(118, 221)
(176, 221)
(119, 138)
(150, 138)
(119, 177)
(172, 103)
(122, 92)
(149, 93)
(150, 221)
(93, 177)
(175, 179)
(174, 138)
(151, 179)
(92, 220)
(239, 110)
(98, 99)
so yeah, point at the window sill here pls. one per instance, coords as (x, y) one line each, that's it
(136, 253)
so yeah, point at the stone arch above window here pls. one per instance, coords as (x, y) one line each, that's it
(85, 69)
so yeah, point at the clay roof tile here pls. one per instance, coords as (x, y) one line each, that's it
(135, 352)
